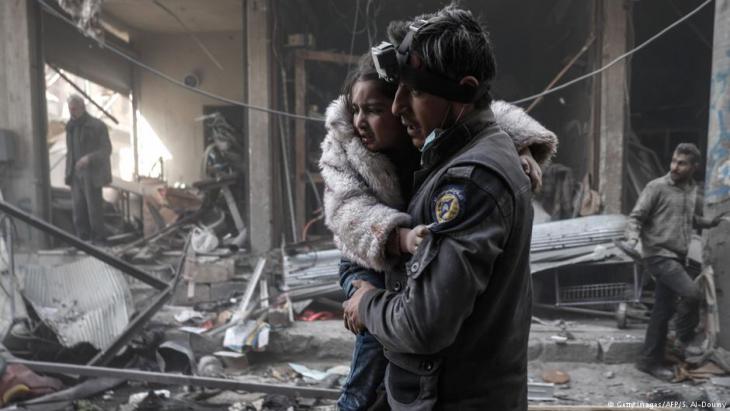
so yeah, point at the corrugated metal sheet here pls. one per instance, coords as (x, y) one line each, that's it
(84, 301)
(554, 244)
(577, 232)
(315, 267)
(576, 241)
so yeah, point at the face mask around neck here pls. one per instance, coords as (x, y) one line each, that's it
(431, 138)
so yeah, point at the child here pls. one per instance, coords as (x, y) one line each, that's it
(367, 164)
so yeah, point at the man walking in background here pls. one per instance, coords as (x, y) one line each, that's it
(88, 169)
(663, 219)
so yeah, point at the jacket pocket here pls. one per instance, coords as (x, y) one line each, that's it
(412, 383)
(426, 252)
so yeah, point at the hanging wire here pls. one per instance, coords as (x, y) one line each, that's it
(164, 76)
(617, 59)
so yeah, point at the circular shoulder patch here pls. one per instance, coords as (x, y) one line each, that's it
(447, 207)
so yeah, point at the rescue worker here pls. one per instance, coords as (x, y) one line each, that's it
(456, 334)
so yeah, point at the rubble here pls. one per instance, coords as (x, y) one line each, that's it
(275, 306)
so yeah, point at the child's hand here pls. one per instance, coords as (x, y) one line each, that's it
(531, 169)
(411, 238)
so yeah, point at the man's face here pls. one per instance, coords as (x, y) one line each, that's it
(421, 112)
(682, 168)
(76, 109)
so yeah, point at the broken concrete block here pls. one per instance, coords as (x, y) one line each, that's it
(570, 351)
(225, 290)
(208, 269)
(200, 293)
(620, 351)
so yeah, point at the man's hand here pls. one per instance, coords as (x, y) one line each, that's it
(719, 219)
(351, 316)
(413, 238)
(82, 163)
(531, 168)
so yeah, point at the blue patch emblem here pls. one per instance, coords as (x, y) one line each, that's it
(449, 204)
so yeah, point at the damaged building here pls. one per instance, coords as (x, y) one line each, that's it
(218, 273)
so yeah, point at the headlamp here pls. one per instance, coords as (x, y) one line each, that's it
(392, 65)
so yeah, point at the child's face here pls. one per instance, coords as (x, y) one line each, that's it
(374, 123)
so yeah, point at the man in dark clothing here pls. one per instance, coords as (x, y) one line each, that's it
(87, 169)
(665, 214)
(455, 327)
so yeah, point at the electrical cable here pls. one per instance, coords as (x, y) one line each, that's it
(354, 24)
(617, 59)
(152, 70)
(164, 76)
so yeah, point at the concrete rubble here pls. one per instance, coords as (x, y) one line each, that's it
(223, 329)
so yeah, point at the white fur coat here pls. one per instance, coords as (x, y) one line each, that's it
(362, 196)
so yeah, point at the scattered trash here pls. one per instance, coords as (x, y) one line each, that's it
(309, 315)
(316, 375)
(19, 382)
(252, 334)
(176, 357)
(137, 398)
(308, 372)
(233, 360)
(609, 374)
(559, 339)
(187, 315)
(210, 366)
(721, 381)
(203, 240)
(555, 376)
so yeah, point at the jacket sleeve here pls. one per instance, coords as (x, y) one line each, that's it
(643, 208)
(101, 155)
(525, 131)
(452, 268)
(699, 221)
(361, 224)
(69, 158)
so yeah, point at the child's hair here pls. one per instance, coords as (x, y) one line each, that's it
(365, 71)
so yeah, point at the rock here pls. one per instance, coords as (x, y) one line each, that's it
(555, 376)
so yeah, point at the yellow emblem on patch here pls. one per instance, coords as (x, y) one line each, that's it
(447, 207)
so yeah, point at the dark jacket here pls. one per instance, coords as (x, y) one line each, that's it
(88, 135)
(457, 333)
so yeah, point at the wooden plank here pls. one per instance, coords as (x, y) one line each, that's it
(261, 150)
(327, 57)
(300, 135)
(300, 131)
(241, 313)
(613, 110)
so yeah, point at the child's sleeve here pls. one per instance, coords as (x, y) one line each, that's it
(361, 224)
(525, 131)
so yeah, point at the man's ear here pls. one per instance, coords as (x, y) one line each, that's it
(414, 60)
(469, 81)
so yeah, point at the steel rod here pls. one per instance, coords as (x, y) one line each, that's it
(176, 379)
(113, 261)
(83, 93)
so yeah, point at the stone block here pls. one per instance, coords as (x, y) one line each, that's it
(570, 351)
(620, 351)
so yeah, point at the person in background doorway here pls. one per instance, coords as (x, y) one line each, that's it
(88, 169)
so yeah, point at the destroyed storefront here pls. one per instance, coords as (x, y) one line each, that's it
(218, 285)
